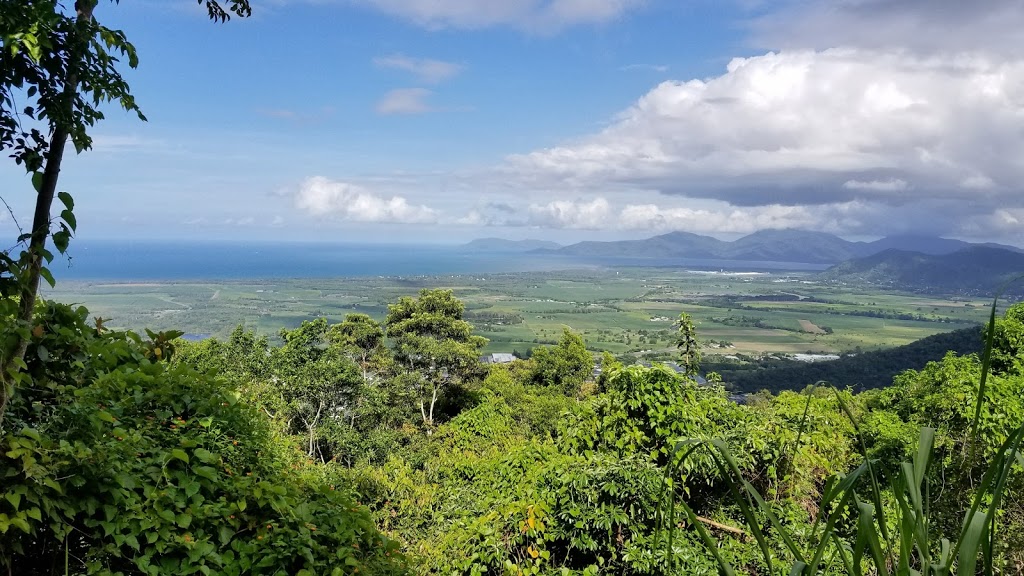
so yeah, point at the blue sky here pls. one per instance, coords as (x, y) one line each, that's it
(445, 120)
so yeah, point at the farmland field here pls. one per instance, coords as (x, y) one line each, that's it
(619, 310)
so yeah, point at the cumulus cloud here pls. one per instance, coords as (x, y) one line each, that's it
(538, 15)
(425, 69)
(808, 127)
(404, 101)
(592, 215)
(321, 197)
(726, 220)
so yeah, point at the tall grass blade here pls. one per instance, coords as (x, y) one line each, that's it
(690, 445)
(723, 566)
(970, 542)
(841, 551)
(986, 362)
(756, 498)
(843, 488)
(800, 430)
(977, 524)
(747, 511)
(866, 530)
(876, 492)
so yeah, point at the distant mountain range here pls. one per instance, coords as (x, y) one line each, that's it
(975, 270)
(766, 245)
(913, 263)
(502, 245)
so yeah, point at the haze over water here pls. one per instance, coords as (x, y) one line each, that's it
(163, 260)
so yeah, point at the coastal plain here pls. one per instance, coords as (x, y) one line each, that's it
(621, 310)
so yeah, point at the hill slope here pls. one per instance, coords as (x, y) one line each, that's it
(976, 270)
(866, 370)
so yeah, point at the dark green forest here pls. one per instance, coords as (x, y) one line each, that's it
(871, 369)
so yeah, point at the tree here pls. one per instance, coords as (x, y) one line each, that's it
(688, 345)
(1008, 341)
(62, 66)
(317, 382)
(566, 365)
(434, 343)
(361, 337)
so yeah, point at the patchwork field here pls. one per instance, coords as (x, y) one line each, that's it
(620, 310)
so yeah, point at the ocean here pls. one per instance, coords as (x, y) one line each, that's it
(177, 261)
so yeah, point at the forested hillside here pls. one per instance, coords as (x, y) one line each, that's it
(378, 449)
(975, 270)
(871, 369)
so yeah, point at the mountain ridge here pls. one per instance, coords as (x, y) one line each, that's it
(785, 245)
(978, 270)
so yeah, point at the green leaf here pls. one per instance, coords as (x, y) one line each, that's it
(69, 217)
(37, 181)
(183, 520)
(14, 499)
(207, 472)
(66, 198)
(45, 273)
(179, 454)
(61, 240)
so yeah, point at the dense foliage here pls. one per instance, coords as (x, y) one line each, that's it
(357, 448)
(118, 462)
(158, 456)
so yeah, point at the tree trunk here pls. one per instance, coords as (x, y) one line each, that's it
(433, 400)
(312, 429)
(41, 216)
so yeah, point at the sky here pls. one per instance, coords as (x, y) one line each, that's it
(439, 121)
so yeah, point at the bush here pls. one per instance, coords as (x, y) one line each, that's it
(119, 463)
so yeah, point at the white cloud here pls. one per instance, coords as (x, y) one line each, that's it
(582, 214)
(977, 182)
(277, 222)
(890, 185)
(472, 218)
(645, 67)
(809, 128)
(321, 197)
(924, 27)
(536, 15)
(425, 69)
(404, 101)
(724, 220)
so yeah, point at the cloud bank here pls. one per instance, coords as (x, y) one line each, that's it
(324, 198)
